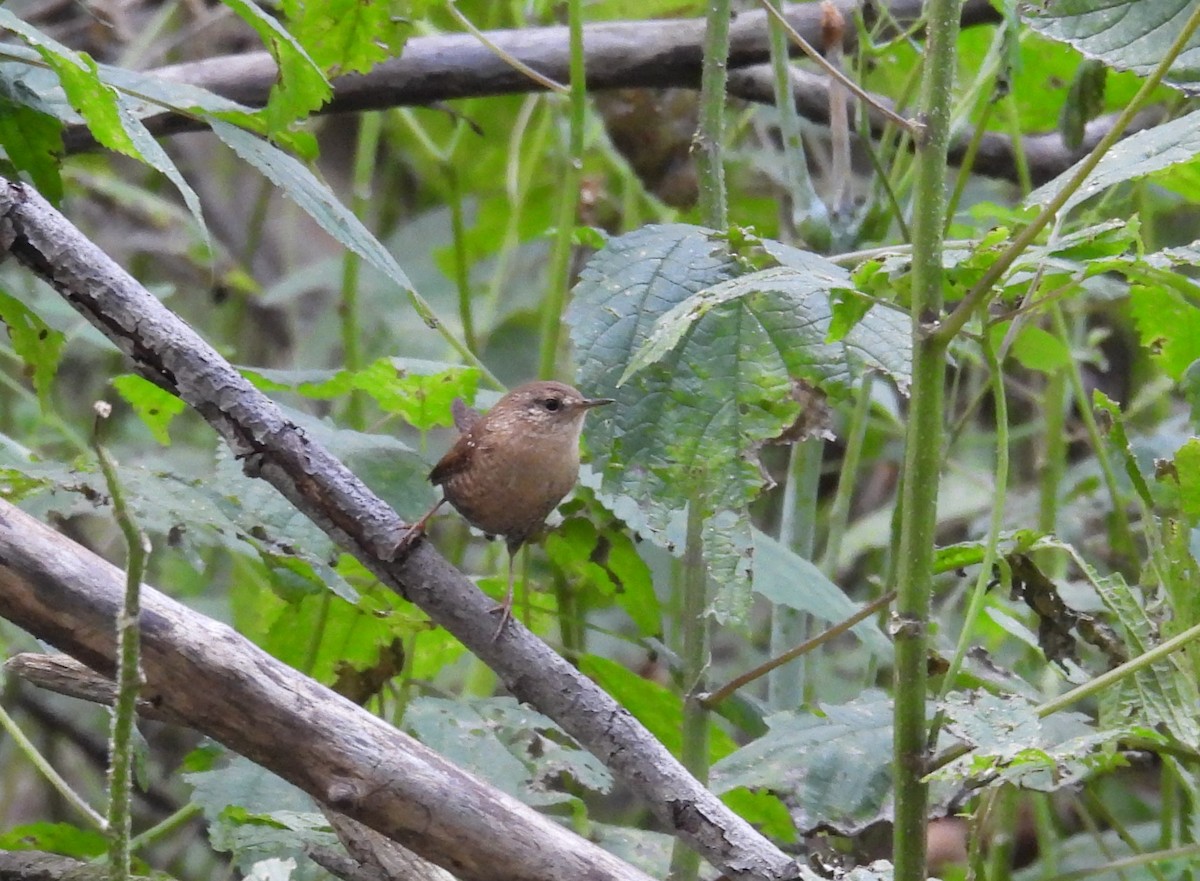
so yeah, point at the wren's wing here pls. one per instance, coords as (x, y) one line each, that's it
(465, 417)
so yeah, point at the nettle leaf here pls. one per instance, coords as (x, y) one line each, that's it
(1141, 154)
(511, 746)
(1169, 326)
(156, 407)
(34, 342)
(833, 770)
(703, 348)
(1163, 695)
(421, 392)
(1124, 34)
(1011, 745)
(301, 86)
(349, 36)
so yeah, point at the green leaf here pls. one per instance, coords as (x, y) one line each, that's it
(703, 351)
(609, 564)
(60, 838)
(1085, 101)
(1010, 745)
(508, 744)
(33, 141)
(96, 102)
(34, 342)
(301, 86)
(153, 405)
(1139, 155)
(349, 36)
(1034, 348)
(1168, 325)
(316, 199)
(422, 392)
(1124, 34)
(833, 770)
(785, 578)
(1187, 470)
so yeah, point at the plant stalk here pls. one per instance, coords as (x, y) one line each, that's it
(923, 447)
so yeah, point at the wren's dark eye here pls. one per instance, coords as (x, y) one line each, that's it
(552, 404)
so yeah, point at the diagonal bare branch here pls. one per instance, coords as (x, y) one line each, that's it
(167, 351)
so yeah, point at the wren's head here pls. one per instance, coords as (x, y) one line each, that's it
(543, 408)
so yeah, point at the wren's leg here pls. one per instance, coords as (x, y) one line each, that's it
(405, 543)
(505, 608)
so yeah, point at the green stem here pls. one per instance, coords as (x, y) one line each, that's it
(839, 511)
(797, 530)
(560, 259)
(61, 786)
(809, 215)
(1121, 534)
(710, 167)
(176, 821)
(129, 674)
(685, 862)
(980, 591)
(1104, 680)
(369, 128)
(983, 289)
(923, 447)
(462, 271)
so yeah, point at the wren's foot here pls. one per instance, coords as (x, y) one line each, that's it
(404, 544)
(504, 610)
(407, 540)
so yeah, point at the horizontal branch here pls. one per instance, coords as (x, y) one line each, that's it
(639, 54)
(164, 349)
(203, 674)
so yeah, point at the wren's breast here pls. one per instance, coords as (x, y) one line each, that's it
(512, 494)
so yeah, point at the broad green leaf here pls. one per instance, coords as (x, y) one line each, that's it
(1139, 155)
(301, 87)
(349, 36)
(1168, 325)
(784, 577)
(1124, 34)
(711, 348)
(33, 142)
(34, 342)
(609, 564)
(833, 770)
(422, 392)
(1011, 745)
(154, 406)
(506, 743)
(654, 705)
(1035, 348)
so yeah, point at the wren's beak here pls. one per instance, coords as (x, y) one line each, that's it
(589, 403)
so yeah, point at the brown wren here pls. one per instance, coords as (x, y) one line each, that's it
(511, 467)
